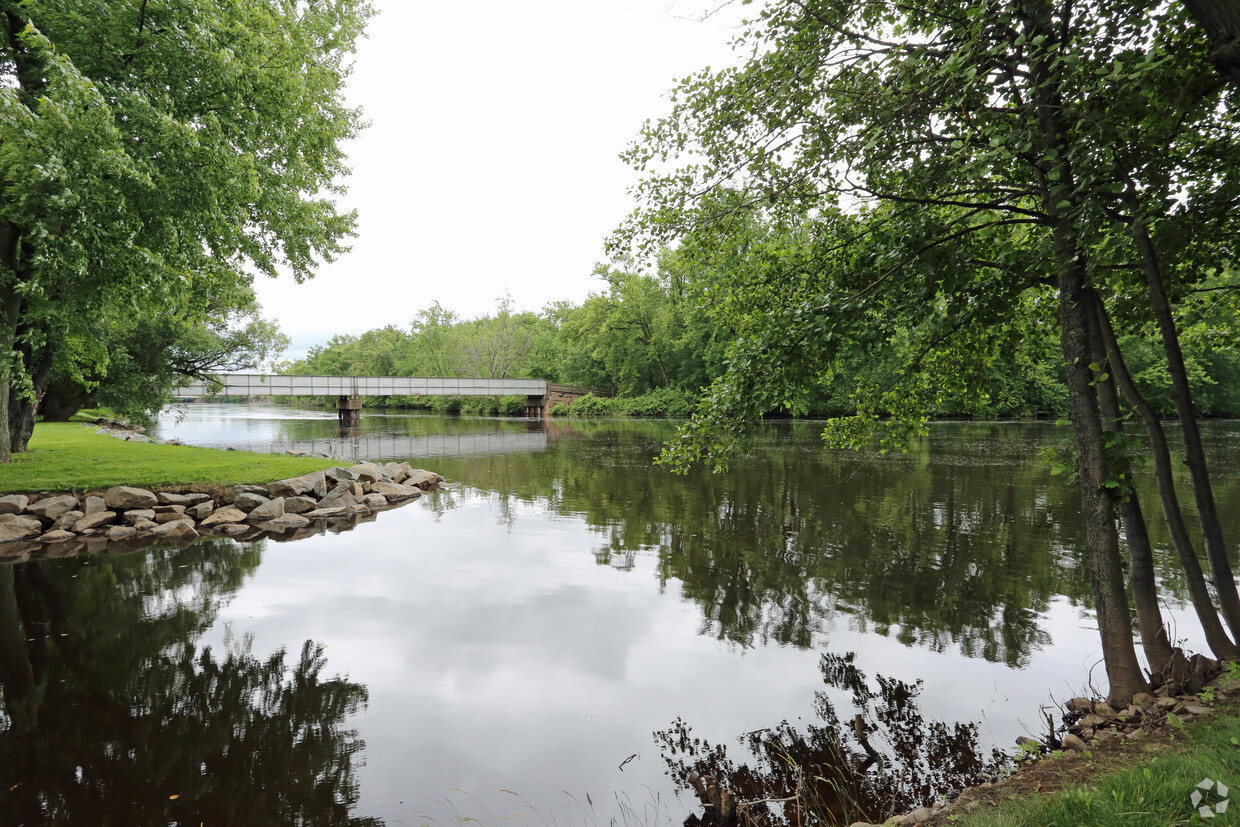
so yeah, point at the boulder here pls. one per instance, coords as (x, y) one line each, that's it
(53, 506)
(337, 475)
(393, 472)
(19, 527)
(176, 528)
(145, 525)
(284, 522)
(366, 472)
(169, 509)
(1074, 743)
(200, 511)
(132, 517)
(65, 521)
(162, 517)
(93, 505)
(266, 511)
(1143, 699)
(248, 501)
(168, 498)
(89, 521)
(119, 532)
(223, 516)
(232, 528)
(292, 487)
(425, 480)
(260, 490)
(124, 497)
(299, 505)
(330, 511)
(374, 501)
(57, 536)
(342, 495)
(395, 491)
(13, 503)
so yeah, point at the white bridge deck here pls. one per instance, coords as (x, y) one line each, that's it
(253, 384)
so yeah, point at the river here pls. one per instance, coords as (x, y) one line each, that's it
(568, 631)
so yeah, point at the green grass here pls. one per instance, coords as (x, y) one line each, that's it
(1154, 792)
(68, 456)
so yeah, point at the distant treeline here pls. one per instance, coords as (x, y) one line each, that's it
(654, 340)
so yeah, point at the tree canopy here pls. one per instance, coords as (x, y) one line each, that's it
(154, 157)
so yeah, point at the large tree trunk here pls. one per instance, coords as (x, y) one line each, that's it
(1216, 636)
(1141, 579)
(1101, 536)
(1221, 21)
(1195, 456)
(23, 407)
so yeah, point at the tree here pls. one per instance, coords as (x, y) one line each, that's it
(149, 151)
(949, 170)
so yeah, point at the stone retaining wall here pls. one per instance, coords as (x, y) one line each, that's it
(337, 499)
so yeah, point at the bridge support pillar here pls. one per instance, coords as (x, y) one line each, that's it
(536, 406)
(349, 409)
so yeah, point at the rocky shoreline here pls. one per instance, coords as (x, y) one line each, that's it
(125, 517)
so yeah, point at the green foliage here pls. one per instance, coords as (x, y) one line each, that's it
(155, 155)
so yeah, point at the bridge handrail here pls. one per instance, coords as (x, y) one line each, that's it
(277, 384)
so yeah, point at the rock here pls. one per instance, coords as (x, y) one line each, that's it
(1143, 699)
(341, 495)
(1027, 743)
(337, 475)
(65, 521)
(374, 501)
(118, 532)
(124, 497)
(1074, 743)
(1193, 709)
(1095, 721)
(96, 520)
(224, 515)
(176, 528)
(19, 527)
(366, 472)
(1166, 703)
(169, 509)
(330, 511)
(425, 480)
(292, 487)
(57, 536)
(260, 490)
(267, 511)
(919, 815)
(13, 503)
(299, 505)
(53, 506)
(232, 528)
(395, 491)
(248, 501)
(145, 525)
(200, 511)
(167, 498)
(169, 517)
(132, 517)
(93, 505)
(393, 472)
(284, 522)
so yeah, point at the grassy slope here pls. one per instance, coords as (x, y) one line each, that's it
(69, 456)
(1147, 783)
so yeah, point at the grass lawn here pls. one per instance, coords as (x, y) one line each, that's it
(70, 456)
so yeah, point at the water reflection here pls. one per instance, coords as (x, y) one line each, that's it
(886, 759)
(112, 713)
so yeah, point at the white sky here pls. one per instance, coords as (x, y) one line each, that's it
(491, 164)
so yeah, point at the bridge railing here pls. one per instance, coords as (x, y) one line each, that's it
(251, 384)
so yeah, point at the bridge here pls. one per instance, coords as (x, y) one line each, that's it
(539, 394)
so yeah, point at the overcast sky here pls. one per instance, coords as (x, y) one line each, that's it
(491, 164)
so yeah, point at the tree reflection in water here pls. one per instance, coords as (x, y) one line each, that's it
(111, 713)
(823, 773)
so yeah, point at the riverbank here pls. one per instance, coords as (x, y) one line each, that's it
(55, 501)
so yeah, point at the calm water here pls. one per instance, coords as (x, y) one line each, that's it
(563, 636)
